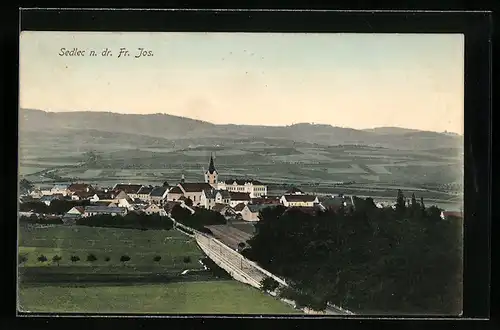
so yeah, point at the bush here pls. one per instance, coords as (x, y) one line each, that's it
(157, 258)
(187, 260)
(75, 258)
(56, 259)
(23, 258)
(269, 284)
(124, 258)
(42, 258)
(107, 259)
(91, 258)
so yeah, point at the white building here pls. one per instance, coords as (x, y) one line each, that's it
(299, 200)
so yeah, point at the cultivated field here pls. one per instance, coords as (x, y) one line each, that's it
(140, 246)
(214, 297)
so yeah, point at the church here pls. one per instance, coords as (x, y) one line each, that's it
(253, 187)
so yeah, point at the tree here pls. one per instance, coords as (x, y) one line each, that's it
(165, 184)
(56, 259)
(75, 259)
(107, 259)
(413, 200)
(22, 258)
(124, 258)
(269, 284)
(157, 258)
(422, 206)
(42, 258)
(241, 246)
(187, 260)
(91, 258)
(400, 202)
(188, 202)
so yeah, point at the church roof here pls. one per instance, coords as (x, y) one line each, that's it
(211, 166)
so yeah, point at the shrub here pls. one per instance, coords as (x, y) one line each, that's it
(56, 259)
(91, 258)
(23, 258)
(107, 259)
(187, 259)
(42, 258)
(157, 258)
(269, 284)
(75, 258)
(124, 258)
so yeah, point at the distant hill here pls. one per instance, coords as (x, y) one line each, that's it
(114, 128)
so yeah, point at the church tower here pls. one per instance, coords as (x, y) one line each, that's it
(211, 174)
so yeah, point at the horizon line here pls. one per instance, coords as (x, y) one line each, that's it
(226, 124)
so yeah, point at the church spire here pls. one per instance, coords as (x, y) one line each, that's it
(211, 166)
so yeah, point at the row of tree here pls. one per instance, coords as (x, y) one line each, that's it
(402, 260)
(39, 220)
(57, 206)
(199, 219)
(132, 220)
(23, 258)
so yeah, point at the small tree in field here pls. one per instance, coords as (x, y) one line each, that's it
(42, 258)
(23, 258)
(75, 259)
(91, 258)
(157, 258)
(56, 259)
(187, 259)
(107, 259)
(124, 259)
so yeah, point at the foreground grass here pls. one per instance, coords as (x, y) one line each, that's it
(218, 297)
(112, 243)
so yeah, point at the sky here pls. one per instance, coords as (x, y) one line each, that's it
(349, 80)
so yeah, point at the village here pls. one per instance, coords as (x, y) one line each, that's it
(235, 199)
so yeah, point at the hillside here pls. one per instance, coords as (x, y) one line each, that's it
(117, 128)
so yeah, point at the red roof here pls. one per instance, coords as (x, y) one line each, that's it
(195, 187)
(79, 187)
(300, 198)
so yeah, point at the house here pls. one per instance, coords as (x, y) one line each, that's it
(100, 210)
(48, 199)
(158, 194)
(81, 195)
(103, 196)
(254, 187)
(59, 189)
(130, 189)
(251, 211)
(193, 191)
(239, 208)
(294, 191)
(238, 198)
(124, 203)
(224, 209)
(174, 194)
(79, 188)
(268, 200)
(143, 193)
(208, 198)
(451, 214)
(222, 197)
(75, 213)
(299, 200)
(36, 193)
(333, 203)
(154, 209)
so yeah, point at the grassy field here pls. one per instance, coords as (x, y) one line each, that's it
(219, 297)
(112, 243)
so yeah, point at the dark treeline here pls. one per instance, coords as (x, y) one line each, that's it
(366, 259)
(131, 221)
(198, 220)
(59, 207)
(36, 220)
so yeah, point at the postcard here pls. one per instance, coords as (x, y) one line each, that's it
(240, 173)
